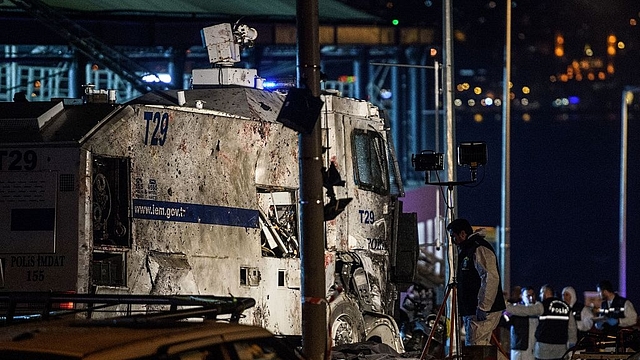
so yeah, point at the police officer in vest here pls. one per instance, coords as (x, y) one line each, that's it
(480, 297)
(554, 326)
(615, 311)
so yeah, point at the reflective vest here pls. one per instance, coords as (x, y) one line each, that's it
(615, 311)
(553, 327)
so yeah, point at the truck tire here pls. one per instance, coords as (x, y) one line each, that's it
(346, 321)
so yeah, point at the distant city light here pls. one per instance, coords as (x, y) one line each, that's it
(457, 102)
(588, 50)
(477, 90)
(559, 47)
(574, 100)
(460, 36)
(526, 90)
(526, 117)
(395, 22)
(478, 118)
(488, 101)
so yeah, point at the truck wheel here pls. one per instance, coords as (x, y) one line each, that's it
(347, 324)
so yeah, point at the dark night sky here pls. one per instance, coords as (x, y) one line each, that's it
(565, 171)
(564, 199)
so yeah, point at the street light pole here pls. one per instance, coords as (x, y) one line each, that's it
(450, 165)
(505, 223)
(627, 99)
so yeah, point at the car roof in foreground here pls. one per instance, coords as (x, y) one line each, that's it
(80, 339)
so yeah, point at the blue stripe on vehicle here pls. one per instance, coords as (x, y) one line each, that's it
(194, 213)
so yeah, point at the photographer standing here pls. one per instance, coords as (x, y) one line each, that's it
(480, 297)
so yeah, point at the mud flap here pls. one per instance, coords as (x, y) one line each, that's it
(383, 329)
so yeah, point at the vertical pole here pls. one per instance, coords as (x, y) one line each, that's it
(314, 318)
(450, 164)
(505, 225)
(436, 106)
(627, 98)
(396, 119)
(436, 119)
(414, 143)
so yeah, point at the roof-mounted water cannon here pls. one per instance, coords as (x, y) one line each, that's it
(224, 43)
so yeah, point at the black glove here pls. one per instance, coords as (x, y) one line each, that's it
(481, 315)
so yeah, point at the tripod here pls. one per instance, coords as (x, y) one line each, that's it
(454, 334)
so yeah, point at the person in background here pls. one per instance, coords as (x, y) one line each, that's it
(582, 315)
(20, 96)
(523, 328)
(615, 311)
(554, 327)
(480, 296)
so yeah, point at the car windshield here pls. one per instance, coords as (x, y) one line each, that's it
(250, 349)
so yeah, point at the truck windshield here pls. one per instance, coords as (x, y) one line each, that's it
(370, 159)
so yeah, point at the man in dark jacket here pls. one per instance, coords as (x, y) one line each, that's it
(617, 313)
(480, 297)
(523, 328)
(554, 326)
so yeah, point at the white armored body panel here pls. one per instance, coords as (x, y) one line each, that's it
(196, 192)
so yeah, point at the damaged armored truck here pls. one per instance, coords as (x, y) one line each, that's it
(196, 192)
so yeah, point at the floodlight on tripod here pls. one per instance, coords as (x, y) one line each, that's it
(472, 155)
(427, 160)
